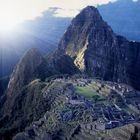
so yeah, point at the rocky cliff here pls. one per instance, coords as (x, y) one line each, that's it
(98, 51)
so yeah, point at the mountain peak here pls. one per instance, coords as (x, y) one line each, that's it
(90, 13)
(86, 24)
(30, 67)
(32, 53)
(33, 50)
(90, 9)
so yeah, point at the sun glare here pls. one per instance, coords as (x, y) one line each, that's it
(13, 12)
(7, 25)
(8, 20)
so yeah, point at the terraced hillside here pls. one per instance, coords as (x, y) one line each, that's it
(74, 115)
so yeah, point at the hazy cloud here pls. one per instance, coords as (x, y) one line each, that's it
(29, 9)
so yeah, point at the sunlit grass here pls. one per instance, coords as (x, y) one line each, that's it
(91, 94)
(86, 91)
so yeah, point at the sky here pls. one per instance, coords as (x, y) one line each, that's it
(20, 10)
(13, 12)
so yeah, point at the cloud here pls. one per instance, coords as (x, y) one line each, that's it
(28, 9)
(70, 8)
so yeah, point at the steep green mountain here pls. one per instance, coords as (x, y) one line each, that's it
(30, 67)
(98, 51)
(23, 101)
(22, 108)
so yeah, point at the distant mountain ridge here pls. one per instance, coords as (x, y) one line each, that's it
(124, 17)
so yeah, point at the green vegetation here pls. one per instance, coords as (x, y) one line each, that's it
(90, 93)
(86, 91)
